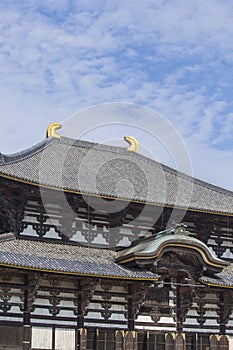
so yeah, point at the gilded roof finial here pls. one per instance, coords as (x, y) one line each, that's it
(133, 143)
(51, 130)
(181, 229)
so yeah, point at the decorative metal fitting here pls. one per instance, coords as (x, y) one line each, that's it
(51, 130)
(133, 143)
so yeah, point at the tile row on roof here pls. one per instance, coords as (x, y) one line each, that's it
(103, 170)
(66, 258)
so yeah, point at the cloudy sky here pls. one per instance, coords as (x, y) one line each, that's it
(174, 57)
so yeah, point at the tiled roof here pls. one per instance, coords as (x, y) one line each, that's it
(65, 258)
(99, 169)
(222, 279)
(79, 260)
(153, 246)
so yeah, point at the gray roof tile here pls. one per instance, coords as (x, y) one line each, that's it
(223, 278)
(66, 258)
(99, 169)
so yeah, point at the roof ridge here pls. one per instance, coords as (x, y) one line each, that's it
(10, 236)
(15, 157)
(118, 149)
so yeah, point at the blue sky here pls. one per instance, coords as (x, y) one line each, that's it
(175, 57)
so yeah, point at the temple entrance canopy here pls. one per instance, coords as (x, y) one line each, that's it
(172, 249)
(180, 261)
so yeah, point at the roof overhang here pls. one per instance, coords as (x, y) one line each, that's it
(151, 250)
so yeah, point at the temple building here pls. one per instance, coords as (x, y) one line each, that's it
(102, 248)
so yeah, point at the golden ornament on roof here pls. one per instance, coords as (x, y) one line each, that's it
(51, 130)
(133, 143)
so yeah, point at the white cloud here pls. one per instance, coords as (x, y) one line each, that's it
(175, 57)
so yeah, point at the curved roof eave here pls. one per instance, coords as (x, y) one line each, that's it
(152, 249)
(24, 167)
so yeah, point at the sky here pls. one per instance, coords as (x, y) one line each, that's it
(172, 57)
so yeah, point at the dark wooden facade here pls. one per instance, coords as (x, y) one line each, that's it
(46, 311)
(23, 213)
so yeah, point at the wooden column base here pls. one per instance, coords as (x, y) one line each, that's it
(26, 337)
(81, 339)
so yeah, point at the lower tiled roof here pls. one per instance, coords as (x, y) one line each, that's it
(80, 260)
(222, 279)
(66, 258)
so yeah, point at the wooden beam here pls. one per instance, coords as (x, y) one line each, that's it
(26, 317)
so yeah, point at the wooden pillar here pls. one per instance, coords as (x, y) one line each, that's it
(80, 334)
(222, 318)
(26, 317)
(83, 338)
(53, 337)
(130, 309)
(195, 342)
(179, 325)
(224, 309)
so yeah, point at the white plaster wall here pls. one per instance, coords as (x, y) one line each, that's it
(231, 343)
(65, 339)
(41, 338)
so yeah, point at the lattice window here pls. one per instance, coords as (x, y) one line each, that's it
(11, 336)
(152, 341)
(159, 340)
(190, 341)
(106, 340)
(204, 342)
(91, 340)
(142, 341)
